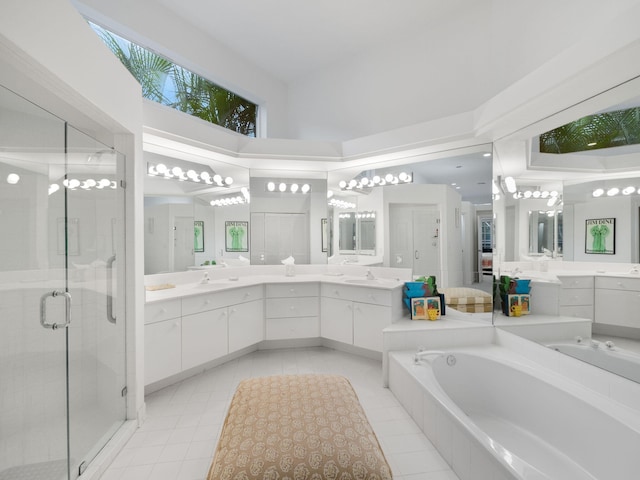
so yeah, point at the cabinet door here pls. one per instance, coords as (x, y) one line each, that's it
(368, 322)
(162, 347)
(204, 337)
(336, 320)
(617, 307)
(246, 325)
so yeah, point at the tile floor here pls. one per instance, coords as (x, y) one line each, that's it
(178, 439)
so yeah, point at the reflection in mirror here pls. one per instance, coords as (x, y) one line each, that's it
(186, 213)
(287, 212)
(549, 240)
(366, 232)
(347, 232)
(425, 216)
(545, 228)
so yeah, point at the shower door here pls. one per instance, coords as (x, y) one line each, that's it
(62, 352)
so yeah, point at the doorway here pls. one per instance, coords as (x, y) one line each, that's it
(276, 236)
(414, 238)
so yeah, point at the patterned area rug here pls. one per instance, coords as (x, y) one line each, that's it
(297, 427)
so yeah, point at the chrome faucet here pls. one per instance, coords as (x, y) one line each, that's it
(370, 275)
(205, 278)
(426, 353)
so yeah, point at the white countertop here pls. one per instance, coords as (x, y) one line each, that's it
(235, 280)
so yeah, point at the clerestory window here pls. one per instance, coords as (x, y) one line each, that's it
(602, 130)
(169, 84)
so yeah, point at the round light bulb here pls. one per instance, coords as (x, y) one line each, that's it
(177, 171)
(342, 184)
(376, 179)
(161, 168)
(13, 178)
(271, 186)
(294, 187)
(305, 188)
(217, 178)
(228, 181)
(282, 187)
(388, 177)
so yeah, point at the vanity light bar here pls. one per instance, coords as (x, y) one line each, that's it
(613, 191)
(334, 202)
(233, 200)
(537, 193)
(207, 177)
(87, 184)
(282, 187)
(376, 181)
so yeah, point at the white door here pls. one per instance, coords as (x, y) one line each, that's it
(183, 244)
(414, 239)
(276, 236)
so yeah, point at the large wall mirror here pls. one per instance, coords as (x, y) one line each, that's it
(191, 207)
(557, 182)
(421, 212)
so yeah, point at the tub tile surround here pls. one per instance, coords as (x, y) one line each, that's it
(460, 448)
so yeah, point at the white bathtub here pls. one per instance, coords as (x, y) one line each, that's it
(616, 360)
(493, 415)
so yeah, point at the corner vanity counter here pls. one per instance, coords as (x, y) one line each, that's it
(198, 319)
(606, 294)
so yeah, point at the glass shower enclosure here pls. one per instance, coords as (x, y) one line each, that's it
(62, 347)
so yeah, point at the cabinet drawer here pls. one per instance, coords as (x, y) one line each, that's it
(292, 307)
(159, 311)
(576, 282)
(223, 298)
(292, 290)
(294, 327)
(618, 283)
(375, 296)
(576, 296)
(577, 311)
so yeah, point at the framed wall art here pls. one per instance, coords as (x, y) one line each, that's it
(198, 236)
(236, 238)
(600, 236)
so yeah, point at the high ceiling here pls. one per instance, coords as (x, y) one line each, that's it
(293, 38)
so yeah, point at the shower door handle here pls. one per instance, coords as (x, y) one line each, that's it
(110, 316)
(43, 309)
(416, 255)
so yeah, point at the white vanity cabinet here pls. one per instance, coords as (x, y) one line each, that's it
(292, 311)
(577, 296)
(357, 315)
(617, 301)
(187, 332)
(162, 340)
